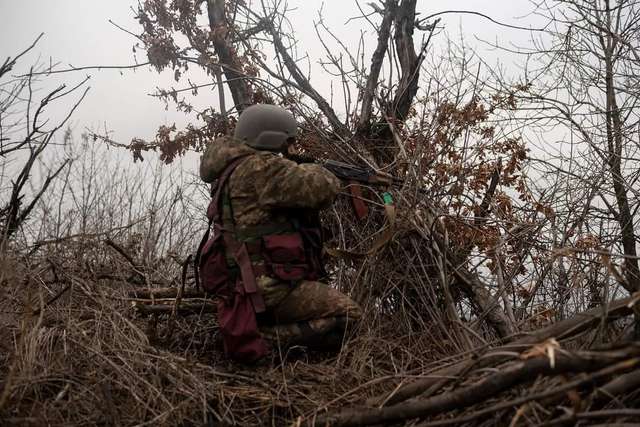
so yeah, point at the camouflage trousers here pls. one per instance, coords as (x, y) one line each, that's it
(311, 314)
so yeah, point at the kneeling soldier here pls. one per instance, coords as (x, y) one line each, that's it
(264, 258)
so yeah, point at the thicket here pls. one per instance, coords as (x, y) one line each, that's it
(505, 295)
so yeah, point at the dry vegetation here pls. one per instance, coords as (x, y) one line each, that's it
(505, 295)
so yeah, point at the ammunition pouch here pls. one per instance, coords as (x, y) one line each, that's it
(285, 256)
(215, 273)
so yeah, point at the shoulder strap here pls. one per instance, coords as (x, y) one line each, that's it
(213, 212)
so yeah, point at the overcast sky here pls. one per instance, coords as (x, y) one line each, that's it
(78, 32)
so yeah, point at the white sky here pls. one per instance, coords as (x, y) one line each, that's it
(77, 32)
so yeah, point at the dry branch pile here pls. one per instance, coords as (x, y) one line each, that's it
(492, 303)
(84, 347)
(513, 382)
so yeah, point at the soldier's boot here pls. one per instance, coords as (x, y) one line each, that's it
(318, 334)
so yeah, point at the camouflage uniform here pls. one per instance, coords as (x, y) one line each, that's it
(261, 190)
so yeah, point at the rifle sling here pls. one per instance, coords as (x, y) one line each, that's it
(384, 237)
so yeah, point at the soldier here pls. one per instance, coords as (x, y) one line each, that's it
(264, 259)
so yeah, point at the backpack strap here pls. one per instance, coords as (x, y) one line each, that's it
(247, 274)
(213, 213)
(237, 248)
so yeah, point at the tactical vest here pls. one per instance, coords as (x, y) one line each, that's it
(232, 258)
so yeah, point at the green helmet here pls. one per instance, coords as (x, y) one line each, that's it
(266, 127)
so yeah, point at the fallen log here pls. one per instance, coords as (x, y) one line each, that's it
(164, 300)
(560, 330)
(602, 363)
(618, 386)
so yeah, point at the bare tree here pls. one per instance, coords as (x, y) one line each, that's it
(25, 134)
(580, 89)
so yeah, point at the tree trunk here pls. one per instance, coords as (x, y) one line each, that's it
(240, 90)
(377, 59)
(409, 61)
(614, 145)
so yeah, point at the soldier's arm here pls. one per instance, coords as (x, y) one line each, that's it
(282, 183)
(206, 163)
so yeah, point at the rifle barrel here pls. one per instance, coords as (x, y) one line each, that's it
(349, 172)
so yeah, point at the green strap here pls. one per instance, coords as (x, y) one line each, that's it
(388, 200)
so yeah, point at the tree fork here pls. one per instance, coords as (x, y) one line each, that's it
(404, 23)
(377, 59)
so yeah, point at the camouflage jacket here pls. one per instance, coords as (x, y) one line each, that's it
(265, 185)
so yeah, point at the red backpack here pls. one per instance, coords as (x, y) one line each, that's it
(224, 266)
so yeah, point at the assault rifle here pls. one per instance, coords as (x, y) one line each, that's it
(352, 173)
(347, 172)
(356, 175)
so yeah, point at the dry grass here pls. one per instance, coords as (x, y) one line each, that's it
(75, 352)
(87, 358)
